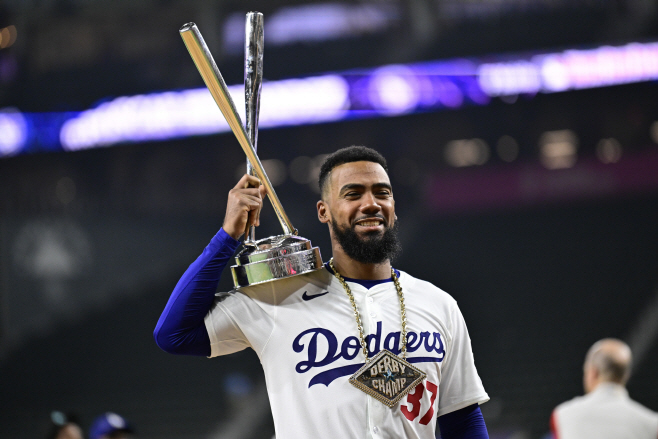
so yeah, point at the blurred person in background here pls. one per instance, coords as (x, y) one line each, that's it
(606, 410)
(64, 426)
(110, 426)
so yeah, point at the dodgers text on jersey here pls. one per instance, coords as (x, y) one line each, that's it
(321, 348)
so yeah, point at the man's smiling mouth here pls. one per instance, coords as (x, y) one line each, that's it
(369, 222)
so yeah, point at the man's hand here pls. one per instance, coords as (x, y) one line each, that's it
(245, 201)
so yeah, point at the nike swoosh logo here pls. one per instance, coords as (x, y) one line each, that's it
(306, 296)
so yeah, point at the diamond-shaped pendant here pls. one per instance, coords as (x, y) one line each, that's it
(387, 377)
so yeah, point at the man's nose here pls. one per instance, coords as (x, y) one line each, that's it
(370, 203)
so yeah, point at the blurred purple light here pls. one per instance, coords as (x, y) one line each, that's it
(448, 93)
(476, 94)
(316, 22)
(13, 129)
(580, 69)
(553, 73)
(146, 117)
(389, 91)
(302, 101)
(394, 90)
(503, 79)
(169, 115)
(571, 70)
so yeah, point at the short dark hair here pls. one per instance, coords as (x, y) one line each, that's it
(349, 154)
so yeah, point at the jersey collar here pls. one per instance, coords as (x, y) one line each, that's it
(367, 284)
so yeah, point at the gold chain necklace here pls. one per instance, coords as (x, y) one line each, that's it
(403, 311)
(386, 377)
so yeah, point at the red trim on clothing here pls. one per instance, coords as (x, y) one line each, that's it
(553, 425)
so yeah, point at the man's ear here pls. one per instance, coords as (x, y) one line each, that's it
(323, 212)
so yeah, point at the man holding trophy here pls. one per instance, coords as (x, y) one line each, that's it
(350, 349)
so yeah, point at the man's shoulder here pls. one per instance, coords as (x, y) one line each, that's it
(420, 286)
(280, 288)
(575, 403)
(642, 410)
(620, 403)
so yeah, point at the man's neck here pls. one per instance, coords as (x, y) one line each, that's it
(601, 385)
(348, 267)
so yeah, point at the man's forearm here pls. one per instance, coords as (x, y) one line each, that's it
(181, 328)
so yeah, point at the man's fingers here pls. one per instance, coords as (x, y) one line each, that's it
(258, 214)
(244, 205)
(259, 192)
(252, 220)
(236, 195)
(251, 203)
(262, 192)
(247, 181)
(250, 196)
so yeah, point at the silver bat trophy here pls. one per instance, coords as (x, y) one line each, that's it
(276, 257)
(253, 79)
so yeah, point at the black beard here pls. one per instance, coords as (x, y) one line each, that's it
(374, 249)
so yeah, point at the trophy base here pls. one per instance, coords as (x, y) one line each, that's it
(273, 258)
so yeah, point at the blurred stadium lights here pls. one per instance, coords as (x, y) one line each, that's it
(315, 22)
(466, 152)
(558, 149)
(571, 70)
(384, 91)
(394, 90)
(495, 187)
(7, 36)
(654, 131)
(306, 170)
(13, 129)
(276, 171)
(459, 9)
(609, 150)
(169, 115)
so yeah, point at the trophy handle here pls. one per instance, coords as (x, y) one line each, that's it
(217, 87)
(253, 79)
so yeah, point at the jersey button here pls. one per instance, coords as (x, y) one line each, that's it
(371, 300)
(375, 430)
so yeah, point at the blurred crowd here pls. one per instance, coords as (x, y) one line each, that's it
(106, 426)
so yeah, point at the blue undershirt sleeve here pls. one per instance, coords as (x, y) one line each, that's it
(466, 423)
(181, 328)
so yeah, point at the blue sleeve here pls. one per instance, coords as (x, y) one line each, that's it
(181, 328)
(466, 423)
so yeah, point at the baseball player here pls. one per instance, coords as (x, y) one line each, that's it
(354, 350)
(606, 411)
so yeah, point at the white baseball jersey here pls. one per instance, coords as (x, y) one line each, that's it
(606, 412)
(305, 334)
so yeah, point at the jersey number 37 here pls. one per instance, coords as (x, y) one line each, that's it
(414, 398)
